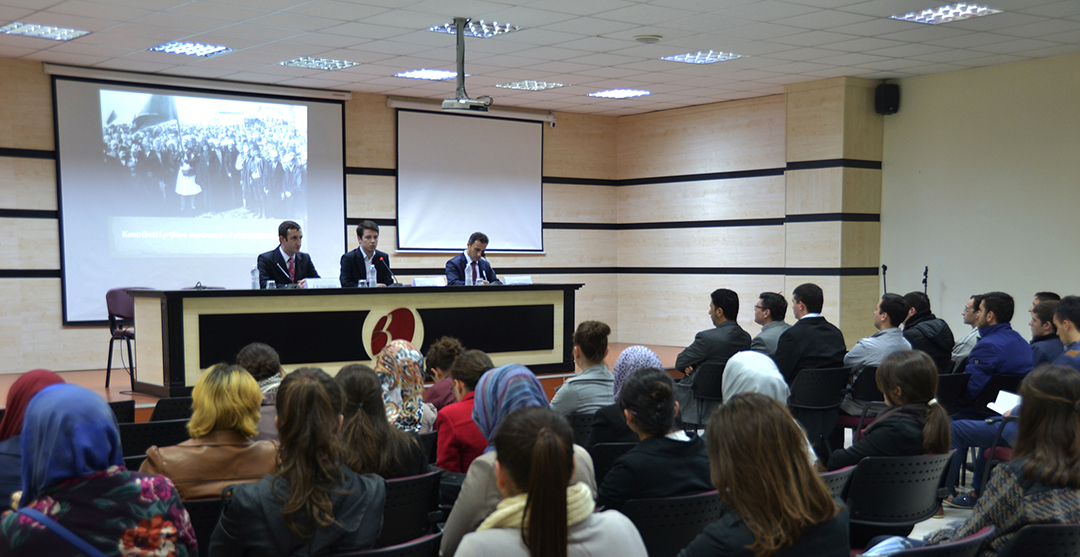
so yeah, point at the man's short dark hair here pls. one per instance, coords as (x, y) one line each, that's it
(895, 307)
(366, 225)
(1047, 296)
(478, 237)
(775, 303)
(284, 228)
(260, 360)
(917, 300)
(1068, 309)
(1044, 311)
(728, 301)
(976, 302)
(1001, 304)
(810, 295)
(591, 337)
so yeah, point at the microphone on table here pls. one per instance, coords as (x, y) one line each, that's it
(393, 279)
(284, 272)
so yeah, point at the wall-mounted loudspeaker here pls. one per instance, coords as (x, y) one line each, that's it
(887, 98)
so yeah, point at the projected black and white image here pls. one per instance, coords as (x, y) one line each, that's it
(205, 157)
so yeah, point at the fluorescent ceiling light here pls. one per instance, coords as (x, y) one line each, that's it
(702, 57)
(947, 14)
(191, 49)
(320, 64)
(42, 31)
(430, 75)
(620, 93)
(529, 85)
(481, 29)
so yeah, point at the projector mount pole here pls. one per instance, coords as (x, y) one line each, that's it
(459, 25)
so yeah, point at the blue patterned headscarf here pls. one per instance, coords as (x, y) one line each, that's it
(632, 359)
(502, 390)
(68, 432)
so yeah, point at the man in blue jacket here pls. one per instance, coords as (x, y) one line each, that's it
(1000, 350)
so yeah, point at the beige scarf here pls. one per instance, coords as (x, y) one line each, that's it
(509, 513)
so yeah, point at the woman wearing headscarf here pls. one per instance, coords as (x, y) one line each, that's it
(400, 368)
(609, 424)
(22, 390)
(499, 392)
(73, 476)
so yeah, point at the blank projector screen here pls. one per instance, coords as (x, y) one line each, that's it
(164, 188)
(462, 174)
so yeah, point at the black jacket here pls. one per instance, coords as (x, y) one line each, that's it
(353, 269)
(714, 346)
(811, 343)
(896, 432)
(656, 467)
(931, 335)
(609, 426)
(272, 266)
(729, 537)
(251, 523)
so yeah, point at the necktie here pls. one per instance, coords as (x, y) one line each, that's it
(292, 270)
(474, 272)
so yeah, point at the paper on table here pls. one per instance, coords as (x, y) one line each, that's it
(1005, 401)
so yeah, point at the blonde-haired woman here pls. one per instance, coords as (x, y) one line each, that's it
(221, 452)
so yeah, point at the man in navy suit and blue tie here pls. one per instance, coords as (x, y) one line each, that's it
(469, 267)
(286, 264)
(354, 264)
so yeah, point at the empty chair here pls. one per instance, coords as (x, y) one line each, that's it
(668, 524)
(837, 481)
(427, 546)
(410, 503)
(121, 307)
(815, 400)
(175, 408)
(137, 437)
(124, 411)
(204, 518)
(1045, 540)
(581, 423)
(1010, 383)
(865, 394)
(133, 463)
(430, 444)
(889, 495)
(951, 389)
(604, 455)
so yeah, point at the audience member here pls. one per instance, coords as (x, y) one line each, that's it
(1067, 319)
(666, 463)
(928, 333)
(769, 313)
(1000, 350)
(400, 368)
(1041, 297)
(440, 357)
(1046, 346)
(499, 392)
(963, 347)
(711, 346)
(370, 445)
(773, 500)
(73, 473)
(18, 397)
(888, 315)
(313, 505)
(221, 452)
(262, 362)
(609, 423)
(914, 424)
(594, 386)
(544, 514)
(460, 441)
(812, 342)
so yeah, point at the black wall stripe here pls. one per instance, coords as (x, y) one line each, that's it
(27, 153)
(29, 273)
(381, 222)
(792, 271)
(779, 221)
(799, 165)
(834, 163)
(28, 214)
(833, 217)
(366, 171)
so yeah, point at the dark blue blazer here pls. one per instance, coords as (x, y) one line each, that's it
(353, 269)
(455, 271)
(270, 262)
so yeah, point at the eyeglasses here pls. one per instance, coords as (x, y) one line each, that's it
(759, 307)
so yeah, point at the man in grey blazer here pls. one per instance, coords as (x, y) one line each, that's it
(769, 313)
(714, 347)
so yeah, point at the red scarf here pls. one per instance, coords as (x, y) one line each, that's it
(18, 398)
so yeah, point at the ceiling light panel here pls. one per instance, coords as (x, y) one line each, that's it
(529, 85)
(191, 49)
(429, 75)
(320, 64)
(947, 14)
(620, 93)
(702, 57)
(482, 29)
(42, 31)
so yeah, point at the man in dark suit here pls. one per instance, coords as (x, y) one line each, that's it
(812, 342)
(354, 263)
(711, 346)
(469, 267)
(286, 264)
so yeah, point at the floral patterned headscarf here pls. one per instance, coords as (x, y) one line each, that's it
(400, 368)
(630, 360)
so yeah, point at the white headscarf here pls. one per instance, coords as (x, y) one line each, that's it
(754, 372)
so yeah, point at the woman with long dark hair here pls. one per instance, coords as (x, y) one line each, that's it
(313, 504)
(543, 515)
(370, 444)
(773, 499)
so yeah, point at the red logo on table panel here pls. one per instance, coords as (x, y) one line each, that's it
(398, 324)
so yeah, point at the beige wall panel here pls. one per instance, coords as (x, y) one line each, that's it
(372, 197)
(27, 183)
(819, 190)
(573, 203)
(861, 244)
(580, 146)
(858, 299)
(597, 300)
(862, 190)
(864, 128)
(670, 310)
(729, 246)
(815, 120)
(740, 198)
(26, 115)
(34, 337)
(736, 135)
(813, 244)
(830, 287)
(30, 243)
(370, 132)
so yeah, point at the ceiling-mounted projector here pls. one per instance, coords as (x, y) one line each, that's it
(466, 105)
(461, 101)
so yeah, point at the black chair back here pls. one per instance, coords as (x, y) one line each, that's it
(896, 490)
(427, 546)
(709, 381)
(837, 481)
(133, 463)
(819, 389)
(989, 393)
(581, 423)
(204, 514)
(669, 524)
(136, 438)
(865, 389)
(124, 411)
(410, 502)
(430, 443)
(963, 547)
(175, 408)
(604, 455)
(951, 389)
(1045, 540)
